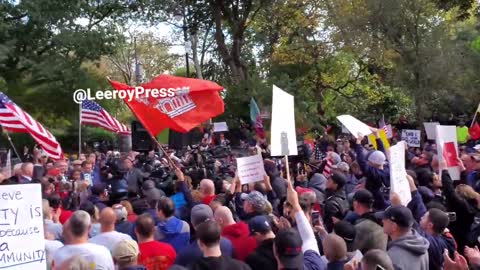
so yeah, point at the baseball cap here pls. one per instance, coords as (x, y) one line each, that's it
(363, 196)
(200, 213)
(259, 224)
(288, 244)
(400, 215)
(256, 199)
(345, 230)
(126, 251)
(377, 157)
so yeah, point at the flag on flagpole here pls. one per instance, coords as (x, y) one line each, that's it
(94, 115)
(474, 131)
(13, 118)
(256, 118)
(8, 166)
(327, 170)
(383, 125)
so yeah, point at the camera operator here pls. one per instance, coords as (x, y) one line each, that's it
(133, 176)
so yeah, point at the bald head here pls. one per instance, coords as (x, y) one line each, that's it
(108, 219)
(337, 248)
(27, 169)
(223, 216)
(207, 187)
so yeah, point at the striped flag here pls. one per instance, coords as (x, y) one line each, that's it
(94, 115)
(382, 125)
(14, 119)
(327, 170)
(256, 118)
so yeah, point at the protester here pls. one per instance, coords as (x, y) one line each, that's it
(51, 226)
(153, 254)
(108, 237)
(75, 234)
(125, 255)
(171, 229)
(208, 238)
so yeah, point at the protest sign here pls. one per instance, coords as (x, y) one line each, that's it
(447, 149)
(354, 125)
(431, 130)
(389, 131)
(372, 139)
(22, 244)
(345, 130)
(411, 137)
(398, 175)
(250, 169)
(220, 127)
(283, 135)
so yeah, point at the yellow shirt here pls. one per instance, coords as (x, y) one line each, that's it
(462, 134)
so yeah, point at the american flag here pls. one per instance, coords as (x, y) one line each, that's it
(327, 170)
(14, 119)
(383, 125)
(94, 115)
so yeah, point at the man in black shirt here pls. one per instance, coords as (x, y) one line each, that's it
(208, 237)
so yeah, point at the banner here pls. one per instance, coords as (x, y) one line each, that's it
(398, 175)
(250, 169)
(220, 127)
(22, 241)
(447, 149)
(431, 130)
(283, 135)
(354, 125)
(412, 137)
(372, 139)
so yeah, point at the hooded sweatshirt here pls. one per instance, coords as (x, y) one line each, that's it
(175, 232)
(409, 252)
(242, 243)
(438, 243)
(318, 183)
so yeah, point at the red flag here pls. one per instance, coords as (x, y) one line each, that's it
(474, 131)
(195, 101)
(450, 154)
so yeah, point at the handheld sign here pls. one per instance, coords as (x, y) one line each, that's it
(283, 135)
(220, 127)
(22, 242)
(250, 169)
(398, 175)
(431, 129)
(412, 137)
(447, 149)
(354, 125)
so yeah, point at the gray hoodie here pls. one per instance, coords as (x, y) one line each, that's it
(409, 252)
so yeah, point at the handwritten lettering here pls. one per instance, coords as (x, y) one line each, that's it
(15, 195)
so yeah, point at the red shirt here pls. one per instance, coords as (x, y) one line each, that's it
(208, 199)
(132, 217)
(155, 255)
(64, 216)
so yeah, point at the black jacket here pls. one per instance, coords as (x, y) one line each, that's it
(218, 263)
(336, 205)
(262, 258)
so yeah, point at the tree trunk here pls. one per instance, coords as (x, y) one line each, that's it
(196, 62)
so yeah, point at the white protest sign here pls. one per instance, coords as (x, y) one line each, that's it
(283, 135)
(250, 169)
(447, 147)
(398, 176)
(412, 137)
(354, 125)
(345, 130)
(220, 127)
(431, 130)
(22, 242)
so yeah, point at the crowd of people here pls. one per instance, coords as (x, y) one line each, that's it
(333, 210)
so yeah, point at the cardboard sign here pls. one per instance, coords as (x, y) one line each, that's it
(250, 169)
(372, 139)
(398, 175)
(283, 135)
(220, 127)
(412, 137)
(431, 130)
(448, 147)
(22, 244)
(354, 125)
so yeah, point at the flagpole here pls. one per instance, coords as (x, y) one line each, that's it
(475, 116)
(13, 146)
(79, 130)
